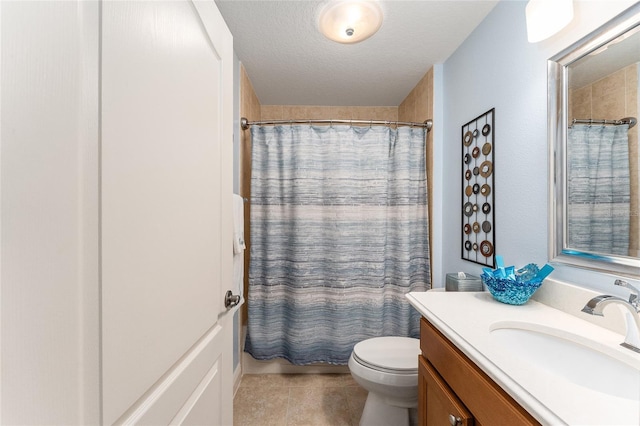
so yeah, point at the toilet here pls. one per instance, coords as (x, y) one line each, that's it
(387, 367)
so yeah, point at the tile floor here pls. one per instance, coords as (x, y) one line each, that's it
(298, 399)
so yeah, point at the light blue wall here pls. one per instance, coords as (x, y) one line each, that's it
(497, 67)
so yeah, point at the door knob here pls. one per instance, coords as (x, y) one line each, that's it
(231, 300)
(454, 421)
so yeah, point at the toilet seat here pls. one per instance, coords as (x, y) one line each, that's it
(390, 354)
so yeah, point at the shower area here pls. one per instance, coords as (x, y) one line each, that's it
(603, 175)
(313, 293)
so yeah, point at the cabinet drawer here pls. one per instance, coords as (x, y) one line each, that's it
(487, 401)
(441, 406)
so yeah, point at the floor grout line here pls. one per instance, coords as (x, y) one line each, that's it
(286, 417)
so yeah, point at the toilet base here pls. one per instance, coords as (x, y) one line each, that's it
(378, 413)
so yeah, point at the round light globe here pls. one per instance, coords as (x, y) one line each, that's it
(350, 21)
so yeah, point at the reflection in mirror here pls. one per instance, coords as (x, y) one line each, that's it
(602, 149)
(595, 179)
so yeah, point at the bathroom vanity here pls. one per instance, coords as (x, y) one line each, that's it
(452, 388)
(484, 362)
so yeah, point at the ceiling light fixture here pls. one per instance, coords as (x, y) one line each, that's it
(547, 17)
(350, 21)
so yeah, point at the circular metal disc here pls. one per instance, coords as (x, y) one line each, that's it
(468, 190)
(467, 229)
(468, 209)
(476, 171)
(475, 152)
(476, 227)
(467, 175)
(486, 226)
(467, 159)
(486, 129)
(486, 208)
(467, 138)
(485, 190)
(467, 245)
(486, 248)
(486, 168)
(486, 148)
(476, 188)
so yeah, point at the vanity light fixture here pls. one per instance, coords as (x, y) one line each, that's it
(350, 21)
(547, 17)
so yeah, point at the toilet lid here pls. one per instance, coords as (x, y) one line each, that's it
(389, 353)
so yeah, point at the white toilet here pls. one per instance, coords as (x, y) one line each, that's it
(388, 368)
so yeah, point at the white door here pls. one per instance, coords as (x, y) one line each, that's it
(166, 158)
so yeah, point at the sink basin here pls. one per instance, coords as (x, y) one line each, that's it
(574, 358)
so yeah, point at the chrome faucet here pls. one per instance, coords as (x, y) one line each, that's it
(596, 305)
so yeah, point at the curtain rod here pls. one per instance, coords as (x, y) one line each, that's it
(244, 123)
(631, 121)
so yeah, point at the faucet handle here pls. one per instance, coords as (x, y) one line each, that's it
(635, 293)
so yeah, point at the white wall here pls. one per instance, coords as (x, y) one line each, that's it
(497, 67)
(49, 212)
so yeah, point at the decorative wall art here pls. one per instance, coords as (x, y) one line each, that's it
(477, 228)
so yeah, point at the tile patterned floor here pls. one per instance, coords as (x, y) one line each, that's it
(298, 399)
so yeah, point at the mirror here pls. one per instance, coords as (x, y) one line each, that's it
(593, 105)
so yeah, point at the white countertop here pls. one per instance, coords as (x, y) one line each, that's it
(466, 319)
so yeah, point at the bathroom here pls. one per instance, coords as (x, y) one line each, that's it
(515, 84)
(100, 346)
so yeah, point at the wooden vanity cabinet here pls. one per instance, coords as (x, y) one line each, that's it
(438, 403)
(452, 390)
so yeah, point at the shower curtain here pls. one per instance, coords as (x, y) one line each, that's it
(339, 234)
(598, 188)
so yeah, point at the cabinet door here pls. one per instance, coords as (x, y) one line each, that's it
(438, 405)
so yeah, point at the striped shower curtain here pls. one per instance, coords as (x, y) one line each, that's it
(339, 234)
(598, 189)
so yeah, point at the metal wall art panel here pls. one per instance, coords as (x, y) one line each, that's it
(478, 171)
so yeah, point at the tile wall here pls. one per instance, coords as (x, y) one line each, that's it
(418, 107)
(250, 109)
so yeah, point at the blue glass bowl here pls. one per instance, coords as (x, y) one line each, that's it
(514, 291)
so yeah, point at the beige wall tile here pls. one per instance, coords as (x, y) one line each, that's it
(383, 113)
(250, 109)
(313, 112)
(341, 112)
(608, 84)
(631, 75)
(296, 112)
(418, 107)
(271, 112)
(631, 90)
(580, 103)
(429, 83)
(611, 106)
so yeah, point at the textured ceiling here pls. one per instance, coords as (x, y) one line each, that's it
(290, 63)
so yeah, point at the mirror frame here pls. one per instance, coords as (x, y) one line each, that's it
(557, 111)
